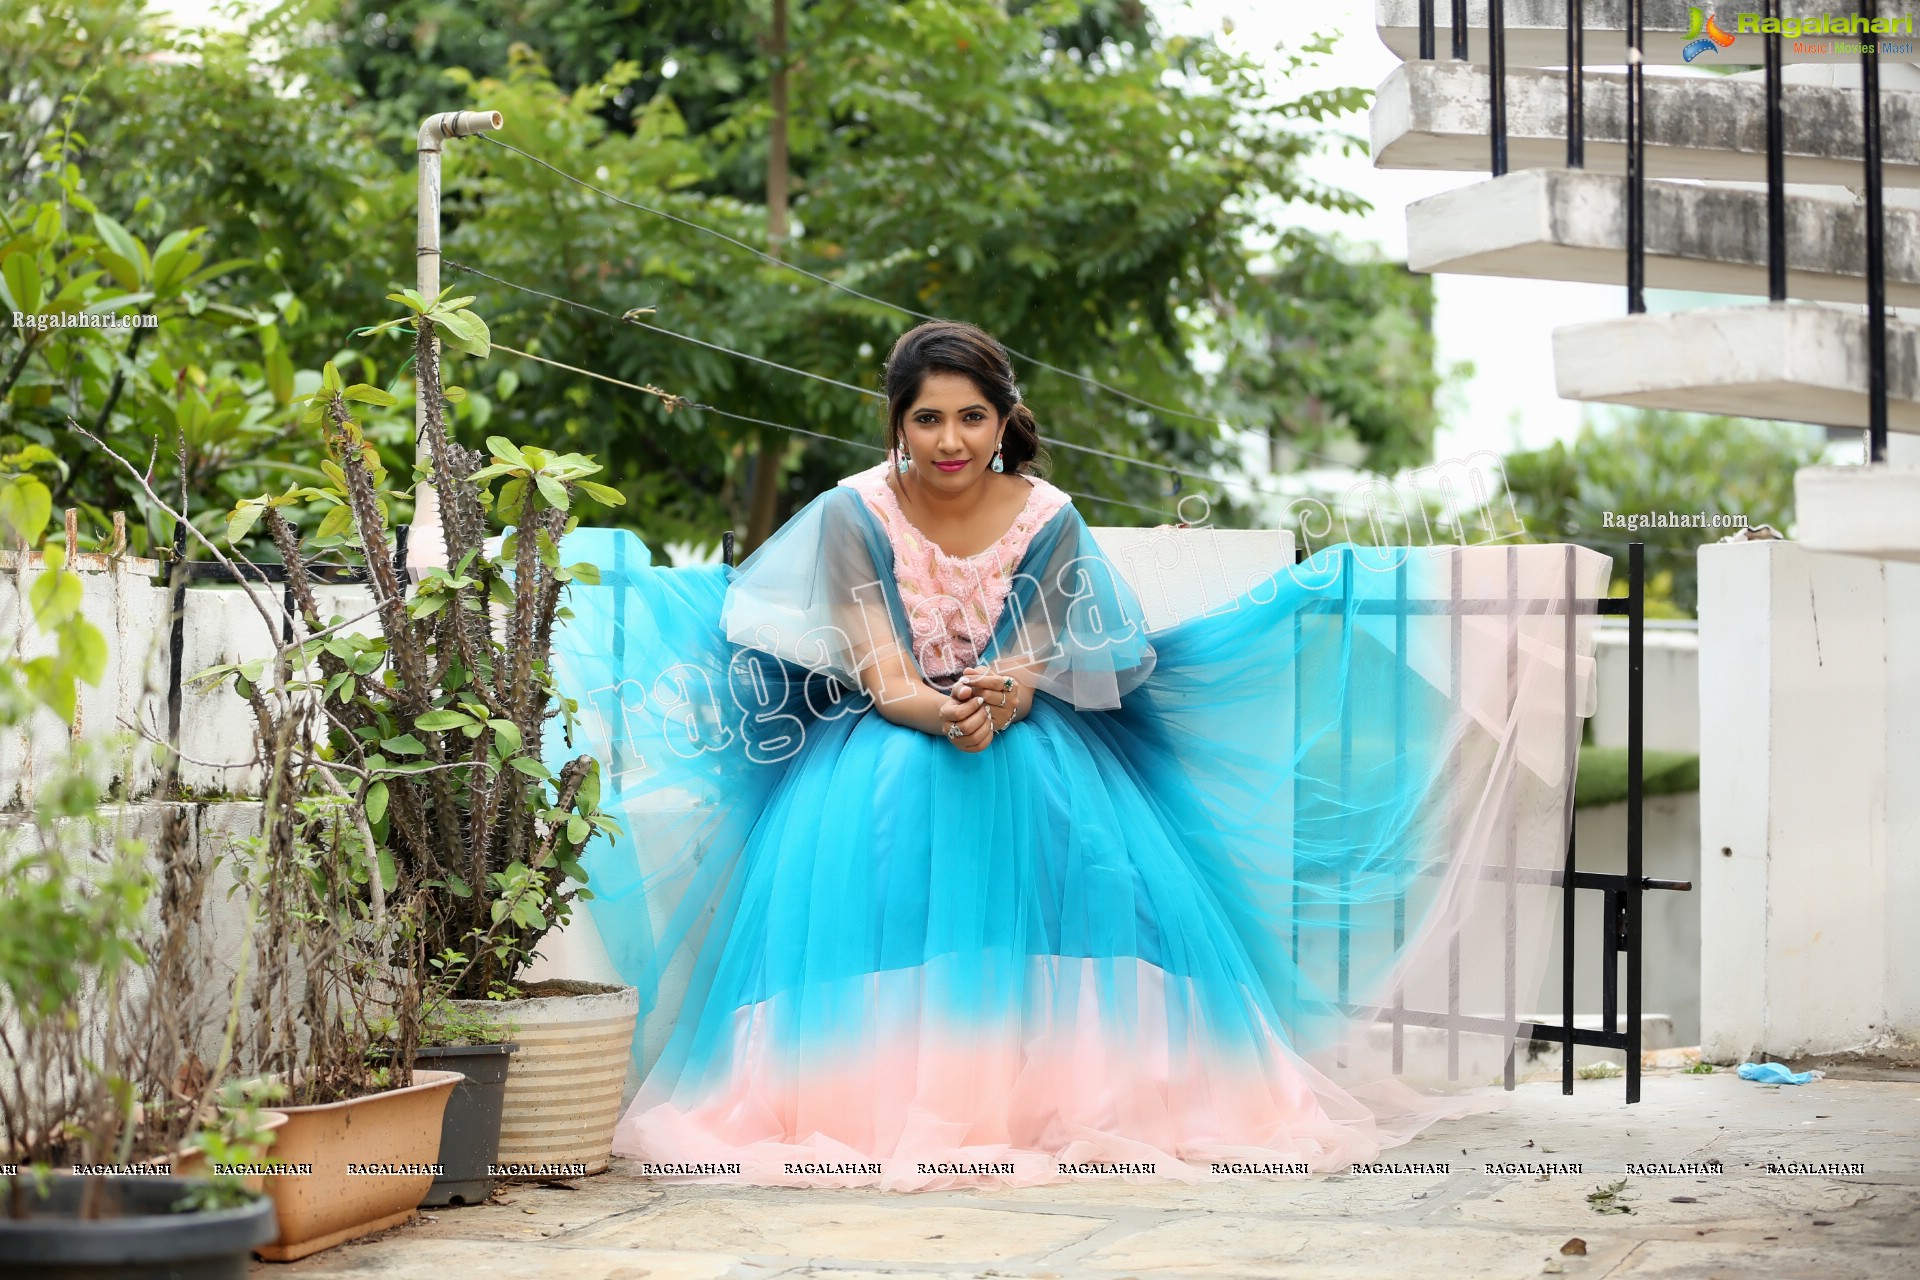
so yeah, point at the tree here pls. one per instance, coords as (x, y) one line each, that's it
(1648, 461)
(1058, 173)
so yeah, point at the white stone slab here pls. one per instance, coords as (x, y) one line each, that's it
(1559, 224)
(1861, 511)
(1434, 115)
(1792, 362)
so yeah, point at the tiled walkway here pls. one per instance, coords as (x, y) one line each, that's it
(1745, 1222)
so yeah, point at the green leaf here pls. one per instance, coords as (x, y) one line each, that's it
(376, 803)
(512, 494)
(605, 495)
(368, 394)
(441, 721)
(389, 874)
(531, 767)
(463, 331)
(404, 745)
(122, 243)
(25, 507)
(507, 734)
(22, 275)
(585, 572)
(505, 450)
(279, 370)
(86, 650)
(338, 521)
(55, 596)
(578, 829)
(552, 490)
(244, 517)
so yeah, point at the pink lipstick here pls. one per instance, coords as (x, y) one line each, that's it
(951, 467)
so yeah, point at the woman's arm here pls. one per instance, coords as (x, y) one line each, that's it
(903, 700)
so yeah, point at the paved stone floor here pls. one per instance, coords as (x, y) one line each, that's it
(1744, 1222)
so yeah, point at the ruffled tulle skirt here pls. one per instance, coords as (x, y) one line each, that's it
(1130, 944)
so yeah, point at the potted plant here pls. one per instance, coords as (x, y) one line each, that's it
(429, 742)
(477, 1044)
(91, 1100)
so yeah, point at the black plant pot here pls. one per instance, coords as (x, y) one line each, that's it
(470, 1135)
(140, 1239)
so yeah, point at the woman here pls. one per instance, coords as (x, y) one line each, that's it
(941, 870)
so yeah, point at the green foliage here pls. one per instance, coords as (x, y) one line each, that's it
(432, 762)
(1647, 461)
(1062, 174)
(1603, 774)
(73, 889)
(238, 1137)
(444, 1023)
(1096, 193)
(173, 177)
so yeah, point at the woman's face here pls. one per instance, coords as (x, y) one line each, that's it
(951, 431)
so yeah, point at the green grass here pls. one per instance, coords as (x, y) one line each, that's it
(1603, 775)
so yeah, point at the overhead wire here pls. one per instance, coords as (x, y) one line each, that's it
(631, 318)
(763, 255)
(673, 402)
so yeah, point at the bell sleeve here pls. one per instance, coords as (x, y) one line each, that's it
(1072, 622)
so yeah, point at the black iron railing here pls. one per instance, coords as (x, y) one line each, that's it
(1622, 936)
(1636, 160)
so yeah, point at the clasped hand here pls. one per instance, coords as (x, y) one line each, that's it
(976, 705)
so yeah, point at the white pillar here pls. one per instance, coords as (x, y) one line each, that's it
(1810, 861)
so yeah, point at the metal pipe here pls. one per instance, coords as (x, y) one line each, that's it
(427, 547)
(1636, 733)
(1636, 162)
(1510, 808)
(1776, 165)
(1876, 244)
(1570, 726)
(1426, 30)
(1459, 30)
(1497, 73)
(1576, 86)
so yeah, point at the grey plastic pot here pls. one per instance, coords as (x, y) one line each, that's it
(470, 1135)
(141, 1239)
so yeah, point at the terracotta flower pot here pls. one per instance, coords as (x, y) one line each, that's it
(565, 1085)
(360, 1166)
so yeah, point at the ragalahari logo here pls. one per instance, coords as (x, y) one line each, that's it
(1703, 34)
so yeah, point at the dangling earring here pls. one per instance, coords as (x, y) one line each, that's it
(997, 464)
(904, 457)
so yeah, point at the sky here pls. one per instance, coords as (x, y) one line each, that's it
(1500, 327)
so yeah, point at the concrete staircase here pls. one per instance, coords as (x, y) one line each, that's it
(1800, 361)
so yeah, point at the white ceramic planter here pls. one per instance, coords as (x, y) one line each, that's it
(564, 1086)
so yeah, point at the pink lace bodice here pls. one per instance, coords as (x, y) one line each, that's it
(953, 603)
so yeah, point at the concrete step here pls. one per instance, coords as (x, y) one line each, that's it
(1537, 34)
(1559, 224)
(1791, 362)
(1869, 511)
(1434, 115)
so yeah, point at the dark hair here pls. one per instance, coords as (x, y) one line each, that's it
(954, 346)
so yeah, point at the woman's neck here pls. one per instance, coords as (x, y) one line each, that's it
(946, 507)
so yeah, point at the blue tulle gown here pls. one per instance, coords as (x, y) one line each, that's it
(1138, 936)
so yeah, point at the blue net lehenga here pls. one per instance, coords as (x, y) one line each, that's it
(1170, 925)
